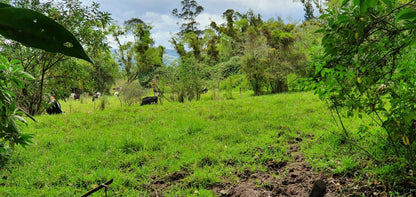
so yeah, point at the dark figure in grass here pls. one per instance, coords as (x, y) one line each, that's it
(149, 100)
(53, 106)
(96, 96)
(74, 96)
(204, 91)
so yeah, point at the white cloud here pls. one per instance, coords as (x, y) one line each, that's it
(158, 12)
(162, 38)
(161, 22)
(162, 27)
(205, 19)
(267, 8)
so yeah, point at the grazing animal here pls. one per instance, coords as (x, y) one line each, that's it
(116, 94)
(149, 100)
(75, 96)
(96, 96)
(53, 106)
(381, 88)
(72, 96)
(204, 91)
(156, 92)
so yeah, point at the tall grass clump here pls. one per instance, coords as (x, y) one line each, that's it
(103, 102)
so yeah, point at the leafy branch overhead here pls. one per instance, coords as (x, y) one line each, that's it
(34, 29)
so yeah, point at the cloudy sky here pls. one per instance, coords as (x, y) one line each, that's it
(158, 13)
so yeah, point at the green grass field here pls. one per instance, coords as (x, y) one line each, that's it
(190, 146)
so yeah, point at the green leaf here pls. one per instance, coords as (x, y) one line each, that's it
(372, 3)
(406, 14)
(363, 6)
(387, 2)
(344, 3)
(4, 5)
(356, 2)
(343, 18)
(34, 29)
(320, 31)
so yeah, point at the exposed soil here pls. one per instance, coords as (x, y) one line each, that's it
(295, 178)
(291, 179)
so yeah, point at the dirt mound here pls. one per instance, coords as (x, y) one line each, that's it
(293, 179)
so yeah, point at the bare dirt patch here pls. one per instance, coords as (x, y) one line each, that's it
(283, 178)
(295, 178)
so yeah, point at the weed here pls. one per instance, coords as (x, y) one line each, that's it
(131, 147)
(103, 102)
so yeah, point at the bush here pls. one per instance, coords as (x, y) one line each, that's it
(368, 69)
(132, 93)
(10, 114)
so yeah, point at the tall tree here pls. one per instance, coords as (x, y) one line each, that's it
(255, 50)
(309, 7)
(139, 57)
(190, 10)
(229, 36)
(190, 33)
(283, 58)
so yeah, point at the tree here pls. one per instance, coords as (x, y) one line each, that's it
(270, 53)
(282, 59)
(308, 10)
(188, 83)
(254, 66)
(211, 51)
(369, 68)
(190, 10)
(139, 58)
(101, 74)
(310, 5)
(189, 33)
(229, 36)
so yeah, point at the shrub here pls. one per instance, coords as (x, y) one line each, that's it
(132, 93)
(10, 114)
(369, 68)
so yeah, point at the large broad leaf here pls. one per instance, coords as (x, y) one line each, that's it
(34, 29)
(406, 14)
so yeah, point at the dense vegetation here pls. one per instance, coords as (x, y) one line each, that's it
(358, 57)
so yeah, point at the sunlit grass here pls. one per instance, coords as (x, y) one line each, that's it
(207, 141)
